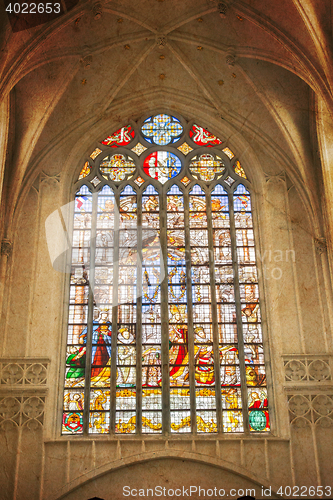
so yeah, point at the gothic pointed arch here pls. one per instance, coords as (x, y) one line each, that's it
(164, 320)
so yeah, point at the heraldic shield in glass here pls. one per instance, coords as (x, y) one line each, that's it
(164, 321)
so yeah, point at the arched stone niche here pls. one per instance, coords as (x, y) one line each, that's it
(167, 477)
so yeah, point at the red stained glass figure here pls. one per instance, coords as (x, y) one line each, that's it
(121, 137)
(203, 137)
(162, 166)
(101, 350)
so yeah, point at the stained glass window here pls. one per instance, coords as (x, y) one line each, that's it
(185, 148)
(102, 284)
(162, 129)
(180, 406)
(95, 153)
(202, 137)
(85, 170)
(151, 270)
(162, 165)
(138, 149)
(121, 137)
(226, 312)
(239, 170)
(250, 311)
(164, 320)
(206, 167)
(76, 356)
(126, 269)
(228, 152)
(205, 376)
(117, 167)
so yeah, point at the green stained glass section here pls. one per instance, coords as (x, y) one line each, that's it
(257, 420)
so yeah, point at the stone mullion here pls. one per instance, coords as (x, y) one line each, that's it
(240, 338)
(190, 331)
(217, 371)
(90, 319)
(139, 317)
(113, 377)
(164, 319)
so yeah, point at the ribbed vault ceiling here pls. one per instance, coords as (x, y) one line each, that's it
(253, 69)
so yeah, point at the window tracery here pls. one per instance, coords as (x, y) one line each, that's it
(164, 324)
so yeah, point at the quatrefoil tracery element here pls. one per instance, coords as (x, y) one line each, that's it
(162, 129)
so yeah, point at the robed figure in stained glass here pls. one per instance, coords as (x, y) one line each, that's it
(203, 354)
(76, 362)
(178, 352)
(100, 356)
(126, 358)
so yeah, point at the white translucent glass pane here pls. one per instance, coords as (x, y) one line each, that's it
(125, 399)
(233, 421)
(151, 399)
(231, 398)
(206, 421)
(125, 422)
(151, 422)
(99, 423)
(180, 421)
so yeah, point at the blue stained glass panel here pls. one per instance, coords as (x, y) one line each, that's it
(162, 129)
